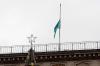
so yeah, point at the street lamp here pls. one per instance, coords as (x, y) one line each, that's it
(30, 61)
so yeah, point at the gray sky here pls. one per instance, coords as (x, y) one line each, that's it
(20, 18)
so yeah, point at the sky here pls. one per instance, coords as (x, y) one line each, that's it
(21, 18)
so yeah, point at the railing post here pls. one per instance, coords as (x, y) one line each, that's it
(80, 46)
(84, 46)
(11, 49)
(22, 48)
(72, 46)
(97, 45)
(46, 47)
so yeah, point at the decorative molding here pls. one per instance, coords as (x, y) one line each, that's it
(78, 63)
(52, 56)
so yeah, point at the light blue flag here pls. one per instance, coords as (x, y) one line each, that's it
(58, 25)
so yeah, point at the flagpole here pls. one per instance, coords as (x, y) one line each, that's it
(60, 29)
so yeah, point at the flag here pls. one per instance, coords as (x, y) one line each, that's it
(58, 25)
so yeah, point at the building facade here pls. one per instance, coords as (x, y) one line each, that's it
(59, 58)
(71, 54)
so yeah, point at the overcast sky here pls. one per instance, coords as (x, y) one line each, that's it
(20, 18)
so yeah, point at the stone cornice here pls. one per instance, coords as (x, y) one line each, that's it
(51, 56)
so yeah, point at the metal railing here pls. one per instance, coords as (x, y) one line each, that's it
(88, 45)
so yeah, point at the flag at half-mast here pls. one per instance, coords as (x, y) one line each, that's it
(58, 25)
